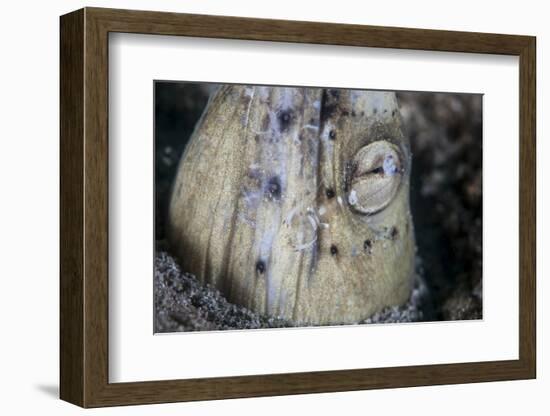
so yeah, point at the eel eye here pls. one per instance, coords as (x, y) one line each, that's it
(377, 174)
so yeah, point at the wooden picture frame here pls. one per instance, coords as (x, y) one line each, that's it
(84, 207)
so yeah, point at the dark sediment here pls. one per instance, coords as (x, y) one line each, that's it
(182, 303)
(446, 185)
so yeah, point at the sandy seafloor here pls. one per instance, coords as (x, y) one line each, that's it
(445, 131)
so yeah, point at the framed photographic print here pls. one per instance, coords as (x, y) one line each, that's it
(262, 207)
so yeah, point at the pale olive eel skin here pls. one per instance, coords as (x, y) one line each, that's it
(294, 202)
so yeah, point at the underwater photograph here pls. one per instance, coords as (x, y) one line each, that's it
(288, 206)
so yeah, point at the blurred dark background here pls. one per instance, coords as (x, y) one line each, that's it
(445, 131)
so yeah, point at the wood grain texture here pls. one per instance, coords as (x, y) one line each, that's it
(527, 208)
(71, 208)
(84, 207)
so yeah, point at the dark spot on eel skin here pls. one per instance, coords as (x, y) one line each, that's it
(367, 245)
(273, 188)
(329, 104)
(330, 193)
(345, 113)
(285, 119)
(394, 232)
(375, 110)
(332, 135)
(333, 250)
(353, 113)
(393, 113)
(260, 266)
